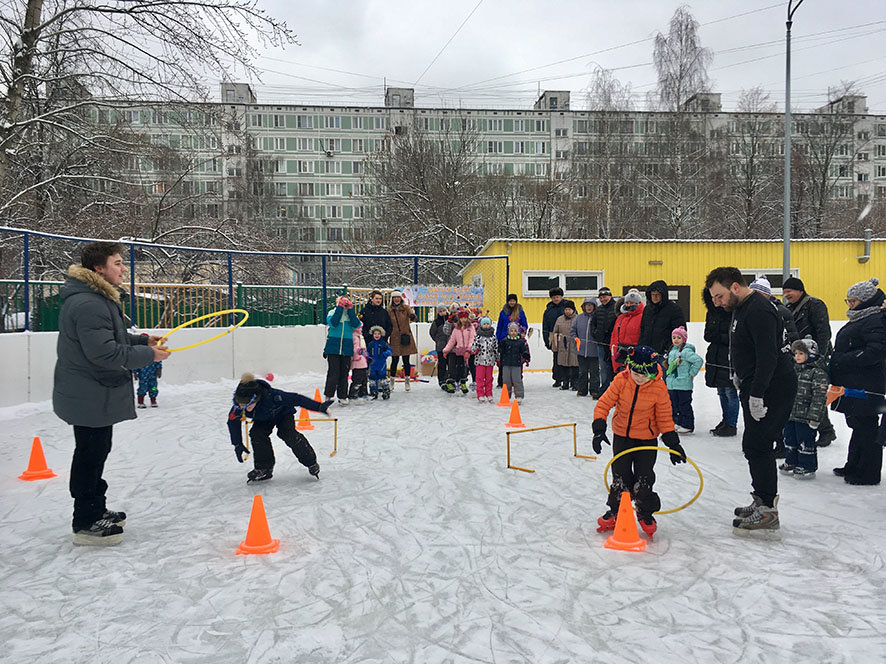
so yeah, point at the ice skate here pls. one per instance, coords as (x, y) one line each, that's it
(787, 469)
(449, 387)
(406, 384)
(117, 518)
(744, 512)
(648, 524)
(386, 388)
(259, 475)
(803, 474)
(314, 469)
(763, 523)
(464, 387)
(141, 402)
(606, 522)
(683, 431)
(103, 532)
(153, 402)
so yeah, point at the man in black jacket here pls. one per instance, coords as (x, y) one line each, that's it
(767, 385)
(660, 317)
(552, 312)
(602, 324)
(811, 316)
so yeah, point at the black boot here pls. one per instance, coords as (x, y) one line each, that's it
(726, 431)
(718, 427)
(825, 438)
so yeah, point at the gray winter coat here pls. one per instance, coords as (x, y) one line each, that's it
(93, 379)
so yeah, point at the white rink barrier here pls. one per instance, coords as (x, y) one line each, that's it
(29, 357)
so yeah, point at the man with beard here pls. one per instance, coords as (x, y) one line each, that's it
(767, 385)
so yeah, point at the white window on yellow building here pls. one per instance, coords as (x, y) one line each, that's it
(537, 283)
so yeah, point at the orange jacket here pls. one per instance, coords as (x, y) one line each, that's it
(642, 412)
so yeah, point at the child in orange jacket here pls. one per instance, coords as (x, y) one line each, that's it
(642, 412)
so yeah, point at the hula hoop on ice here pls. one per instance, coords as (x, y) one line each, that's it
(217, 336)
(664, 449)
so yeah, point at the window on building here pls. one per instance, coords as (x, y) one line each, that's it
(279, 120)
(774, 275)
(562, 154)
(305, 166)
(862, 177)
(519, 147)
(304, 121)
(539, 125)
(279, 143)
(561, 132)
(881, 171)
(280, 188)
(255, 120)
(334, 234)
(863, 156)
(381, 123)
(494, 147)
(357, 122)
(333, 211)
(519, 125)
(537, 283)
(331, 167)
(496, 124)
(333, 189)
(331, 122)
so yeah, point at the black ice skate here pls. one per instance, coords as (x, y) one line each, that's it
(464, 387)
(117, 518)
(101, 533)
(314, 469)
(259, 475)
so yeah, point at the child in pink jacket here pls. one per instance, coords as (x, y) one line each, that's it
(461, 339)
(359, 368)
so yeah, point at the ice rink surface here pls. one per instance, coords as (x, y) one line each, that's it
(417, 544)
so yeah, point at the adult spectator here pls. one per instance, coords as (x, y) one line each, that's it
(440, 337)
(552, 312)
(626, 331)
(859, 363)
(402, 341)
(660, 317)
(512, 312)
(588, 379)
(374, 313)
(717, 368)
(787, 318)
(341, 321)
(767, 385)
(811, 317)
(92, 390)
(603, 322)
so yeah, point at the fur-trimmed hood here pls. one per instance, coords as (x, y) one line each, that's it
(95, 281)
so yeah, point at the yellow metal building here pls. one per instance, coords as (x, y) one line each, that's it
(581, 267)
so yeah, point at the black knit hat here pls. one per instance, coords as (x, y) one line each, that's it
(512, 296)
(794, 284)
(247, 389)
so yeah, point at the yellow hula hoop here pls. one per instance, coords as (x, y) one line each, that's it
(199, 318)
(664, 449)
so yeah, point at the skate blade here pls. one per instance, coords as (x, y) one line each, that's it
(767, 534)
(80, 539)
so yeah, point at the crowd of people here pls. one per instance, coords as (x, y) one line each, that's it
(772, 362)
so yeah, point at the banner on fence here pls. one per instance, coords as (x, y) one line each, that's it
(431, 296)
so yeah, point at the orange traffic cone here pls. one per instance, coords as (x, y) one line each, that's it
(505, 400)
(318, 396)
(515, 422)
(304, 421)
(625, 537)
(37, 469)
(258, 535)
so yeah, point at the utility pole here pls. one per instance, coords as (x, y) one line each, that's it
(786, 257)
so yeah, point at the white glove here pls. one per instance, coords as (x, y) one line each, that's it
(757, 408)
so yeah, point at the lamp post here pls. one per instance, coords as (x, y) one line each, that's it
(786, 257)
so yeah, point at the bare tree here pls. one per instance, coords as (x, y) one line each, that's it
(680, 61)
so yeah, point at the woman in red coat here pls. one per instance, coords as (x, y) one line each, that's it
(626, 332)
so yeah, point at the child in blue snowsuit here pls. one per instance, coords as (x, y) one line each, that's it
(147, 383)
(378, 353)
(267, 407)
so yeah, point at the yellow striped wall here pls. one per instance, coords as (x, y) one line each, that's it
(827, 267)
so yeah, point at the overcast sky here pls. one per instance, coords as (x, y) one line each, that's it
(507, 49)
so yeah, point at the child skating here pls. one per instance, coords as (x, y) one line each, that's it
(267, 408)
(801, 454)
(683, 365)
(642, 412)
(378, 353)
(147, 383)
(514, 353)
(358, 392)
(485, 350)
(460, 341)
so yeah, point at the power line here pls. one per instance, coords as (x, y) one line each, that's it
(448, 42)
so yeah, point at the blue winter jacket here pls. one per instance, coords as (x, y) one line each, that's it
(504, 319)
(583, 329)
(683, 365)
(340, 336)
(378, 352)
(272, 407)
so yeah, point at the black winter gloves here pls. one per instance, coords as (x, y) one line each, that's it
(326, 404)
(240, 450)
(599, 429)
(672, 440)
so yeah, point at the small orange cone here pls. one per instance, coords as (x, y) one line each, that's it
(625, 537)
(318, 396)
(258, 535)
(505, 401)
(515, 422)
(37, 469)
(304, 421)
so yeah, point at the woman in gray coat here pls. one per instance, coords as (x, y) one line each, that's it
(92, 390)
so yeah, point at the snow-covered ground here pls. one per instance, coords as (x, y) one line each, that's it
(418, 545)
